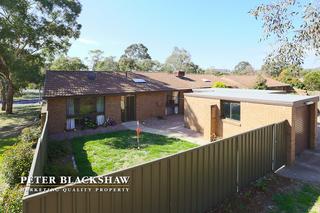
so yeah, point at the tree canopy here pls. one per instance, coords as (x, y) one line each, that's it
(294, 25)
(95, 57)
(68, 64)
(243, 67)
(30, 31)
(312, 80)
(180, 59)
(136, 52)
(107, 64)
(261, 83)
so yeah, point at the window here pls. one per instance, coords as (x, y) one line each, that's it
(100, 104)
(90, 107)
(231, 110)
(70, 106)
(87, 105)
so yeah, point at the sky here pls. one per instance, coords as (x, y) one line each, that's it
(216, 33)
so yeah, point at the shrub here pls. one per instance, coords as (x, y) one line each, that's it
(261, 83)
(312, 80)
(12, 200)
(219, 84)
(30, 134)
(17, 162)
(88, 123)
(287, 77)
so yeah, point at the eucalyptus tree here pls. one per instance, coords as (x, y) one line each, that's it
(294, 25)
(30, 31)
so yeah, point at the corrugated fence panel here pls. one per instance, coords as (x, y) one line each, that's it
(255, 154)
(192, 181)
(280, 145)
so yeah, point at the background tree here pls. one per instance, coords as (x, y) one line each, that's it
(148, 65)
(180, 59)
(68, 64)
(294, 25)
(95, 57)
(127, 64)
(135, 57)
(272, 69)
(30, 31)
(107, 64)
(213, 71)
(289, 77)
(261, 83)
(167, 68)
(136, 52)
(243, 68)
(312, 80)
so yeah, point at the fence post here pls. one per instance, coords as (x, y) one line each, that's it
(238, 162)
(274, 141)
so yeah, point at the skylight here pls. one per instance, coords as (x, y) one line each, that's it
(206, 80)
(138, 80)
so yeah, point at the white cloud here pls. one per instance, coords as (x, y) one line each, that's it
(87, 41)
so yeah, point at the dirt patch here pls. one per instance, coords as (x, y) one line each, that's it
(257, 197)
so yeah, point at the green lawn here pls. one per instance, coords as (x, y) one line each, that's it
(304, 199)
(103, 153)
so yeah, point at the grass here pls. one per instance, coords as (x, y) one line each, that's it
(21, 116)
(60, 159)
(103, 153)
(305, 199)
(273, 194)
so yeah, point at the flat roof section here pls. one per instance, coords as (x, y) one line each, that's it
(272, 97)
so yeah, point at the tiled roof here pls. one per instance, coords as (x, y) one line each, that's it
(74, 83)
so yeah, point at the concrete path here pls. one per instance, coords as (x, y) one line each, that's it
(306, 166)
(171, 126)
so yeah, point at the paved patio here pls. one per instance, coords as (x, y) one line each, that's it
(171, 126)
(306, 166)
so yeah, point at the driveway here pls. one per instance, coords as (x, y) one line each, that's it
(307, 165)
(171, 126)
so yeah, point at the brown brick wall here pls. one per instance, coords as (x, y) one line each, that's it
(113, 108)
(150, 105)
(253, 115)
(56, 115)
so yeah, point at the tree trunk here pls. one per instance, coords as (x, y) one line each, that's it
(3, 98)
(9, 98)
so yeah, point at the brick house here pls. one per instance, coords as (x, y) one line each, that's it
(227, 112)
(74, 95)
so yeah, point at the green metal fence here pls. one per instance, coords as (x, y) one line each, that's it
(40, 154)
(192, 181)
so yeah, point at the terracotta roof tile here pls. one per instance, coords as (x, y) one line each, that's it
(75, 83)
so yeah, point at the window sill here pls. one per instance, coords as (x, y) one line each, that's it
(231, 121)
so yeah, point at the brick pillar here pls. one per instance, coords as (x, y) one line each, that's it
(313, 125)
(291, 138)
